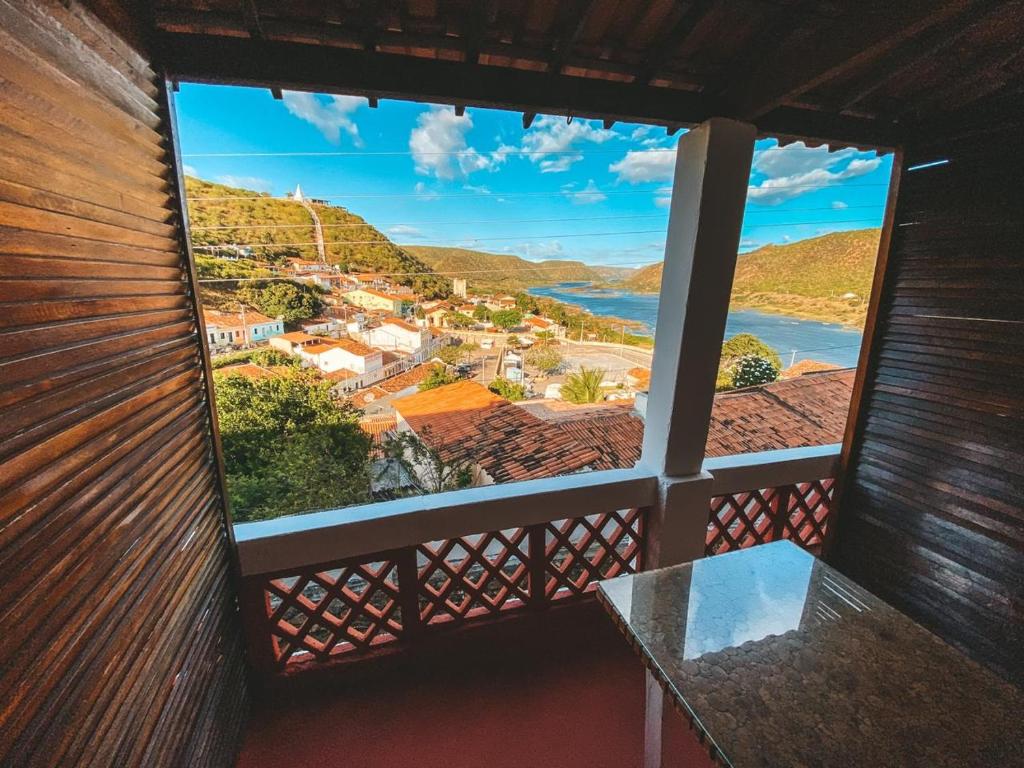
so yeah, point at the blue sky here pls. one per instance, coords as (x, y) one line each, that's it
(558, 190)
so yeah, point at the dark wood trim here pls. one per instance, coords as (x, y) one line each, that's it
(867, 360)
(264, 63)
(189, 263)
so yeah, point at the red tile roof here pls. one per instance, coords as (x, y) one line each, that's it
(399, 322)
(465, 421)
(354, 347)
(234, 319)
(809, 410)
(807, 366)
(299, 337)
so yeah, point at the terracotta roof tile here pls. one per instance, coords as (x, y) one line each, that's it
(466, 421)
(299, 337)
(807, 366)
(249, 370)
(234, 319)
(397, 321)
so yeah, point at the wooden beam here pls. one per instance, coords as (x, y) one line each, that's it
(672, 39)
(329, 69)
(566, 43)
(919, 51)
(324, 69)
(252, 18)
(849, 41)
(528, 118)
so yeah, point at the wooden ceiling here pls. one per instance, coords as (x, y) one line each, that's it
(862, 73)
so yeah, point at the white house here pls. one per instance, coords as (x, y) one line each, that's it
(225, 329)
(397, 335)
(330, 355)
(291, 343)
(321, 325)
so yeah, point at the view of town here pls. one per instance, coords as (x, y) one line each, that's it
(357, 359)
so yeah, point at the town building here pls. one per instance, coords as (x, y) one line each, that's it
(291, 343)
(396, 334)
(459, 287)
(315, 325)
(330, 355)
(236, 329)
(372, 298)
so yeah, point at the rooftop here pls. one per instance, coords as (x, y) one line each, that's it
(465, 420)
(400, 323)
(300, 337)
(220, 319)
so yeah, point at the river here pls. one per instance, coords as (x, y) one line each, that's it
(794, 339)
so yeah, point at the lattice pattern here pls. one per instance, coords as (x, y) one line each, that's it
(331, 612)
(582, 551)
(472, 575)
(744, 519)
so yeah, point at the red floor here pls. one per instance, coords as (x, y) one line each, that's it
(560, 690)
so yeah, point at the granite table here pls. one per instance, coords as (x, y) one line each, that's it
(778, 660)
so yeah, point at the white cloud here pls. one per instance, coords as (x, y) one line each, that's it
(478, 189)
(796, 169)
(330, 117)
(641, 132)
(439, 148)
(535, 251)
(551, 142)
(589, 195)
(423, 192)
(663, 197)
(839, 205)
(247, 182)
(189, 170)
(404, 230)
(645, 165)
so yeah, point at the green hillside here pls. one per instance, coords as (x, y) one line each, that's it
(492, 272)
(821, 278)
(224, 222)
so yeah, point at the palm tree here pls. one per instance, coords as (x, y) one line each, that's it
(584, 387)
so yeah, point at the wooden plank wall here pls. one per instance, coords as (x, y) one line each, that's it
(932, 512)
(120, 645)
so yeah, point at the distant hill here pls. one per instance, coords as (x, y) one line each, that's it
(822, 278)
(230, 221)
(488, 272)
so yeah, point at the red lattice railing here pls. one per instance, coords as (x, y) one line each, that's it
(798, 512)
(344, 608)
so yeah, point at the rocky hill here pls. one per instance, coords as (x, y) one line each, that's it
(492, 272)
(822, 278)
(279, 229)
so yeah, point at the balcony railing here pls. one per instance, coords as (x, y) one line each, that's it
(448, 560)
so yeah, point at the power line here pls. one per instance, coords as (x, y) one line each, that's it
(455, 273)
(449, 153)
(519, 237)
(504, 220)
(493, 194)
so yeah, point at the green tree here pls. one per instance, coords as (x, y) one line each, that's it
(743, 344)
(510, 390)
(459, 320)
(514, 341)
(433, 470)
(526, 303)
(545, 358)
(288, 446)
(437, 377)
(544, 337)
(506, 318)
(481, 313)
(269, 358)
(584, 386)
(752, 370)
(288, 300)
(453, 354)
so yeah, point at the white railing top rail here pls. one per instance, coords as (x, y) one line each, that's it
(768, 469)
(298, 541)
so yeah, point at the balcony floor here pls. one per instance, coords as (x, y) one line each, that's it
(562, 689)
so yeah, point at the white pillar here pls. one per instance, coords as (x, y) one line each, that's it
(708, 197)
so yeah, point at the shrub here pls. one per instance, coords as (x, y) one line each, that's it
(437, 377)
(752, 370)
(510, 390)
(584, 386)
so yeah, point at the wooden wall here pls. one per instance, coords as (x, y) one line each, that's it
(120, 645)
(932, 512)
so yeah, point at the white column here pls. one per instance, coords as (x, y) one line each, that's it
(708, 197)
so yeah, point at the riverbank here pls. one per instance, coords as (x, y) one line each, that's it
(795, 338)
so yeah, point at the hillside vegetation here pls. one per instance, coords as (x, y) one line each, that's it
(822, 278)
(494, 272)
(237, 221)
